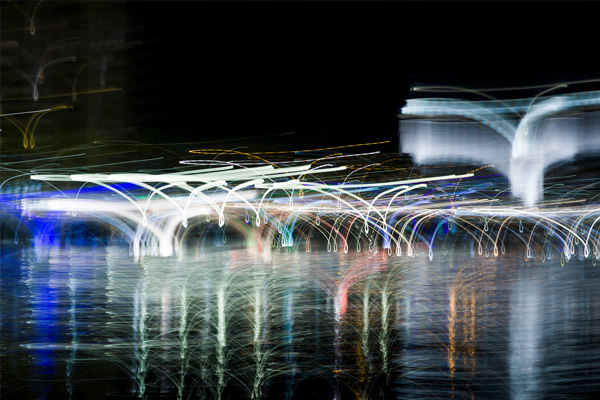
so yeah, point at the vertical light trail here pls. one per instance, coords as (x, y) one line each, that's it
(221, 338)
(165, 328)
(524, 354)
(73, 330)
(452, 336)
(471, 334)
(183, 340)
(141, 339)
(206, 364)
(365, 326)
(288, 313)
(259, 310)
(385, 326)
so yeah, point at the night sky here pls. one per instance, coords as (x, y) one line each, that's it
(339, 71)
(220, 74)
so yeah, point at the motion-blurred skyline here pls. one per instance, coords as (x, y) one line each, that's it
(233, 74)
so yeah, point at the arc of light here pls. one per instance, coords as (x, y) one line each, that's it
(120, 194)
(419, 218)
(565, 228)
(190, 189)
(571, 232)
(90, 62)
(270, 188)
(499, 232)
(337, 225)
(539, 111)
(390, 232)
(129, 216)
(349, 232)
(198, 191)
(119, 225)
(317, 170)
(483, 233)
(590, 232)
(539, 222)
(289, 227)
(13, 177)
(152, 190)
(312, 227)
(160, 236)
(384, 234)
(316, 187)
(435, 231)
(464, 221)
(25, 130)
(233, 191)
(331, 233)
(591, 226)
(281, 172)
(408, 241)
(581, 217)
(134, 240)
(526, 243)
(282, 185)
(160, 190)
(42, 69)
(166, 245)
(459, 222)
(365, 217)
(403, 189)
(74, 212)
(61, 192)
(358, 169)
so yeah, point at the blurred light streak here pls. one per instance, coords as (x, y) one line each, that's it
(28, 129)
(285, 206)
(522, 138)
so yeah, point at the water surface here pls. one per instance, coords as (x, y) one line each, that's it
(91, 323)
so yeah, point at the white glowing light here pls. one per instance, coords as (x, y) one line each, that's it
(521, 138)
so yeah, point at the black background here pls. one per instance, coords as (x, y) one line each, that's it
(225, 74)
(339, 71)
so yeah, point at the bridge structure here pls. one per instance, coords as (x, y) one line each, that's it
(271, 208)
(522, 138)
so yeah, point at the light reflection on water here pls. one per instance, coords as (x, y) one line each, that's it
(91, 323)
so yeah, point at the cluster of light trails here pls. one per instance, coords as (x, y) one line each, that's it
(298, 206)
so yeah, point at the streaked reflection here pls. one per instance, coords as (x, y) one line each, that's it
(525, 337)
(223, 324)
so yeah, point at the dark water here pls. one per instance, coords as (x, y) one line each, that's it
(91, 323)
